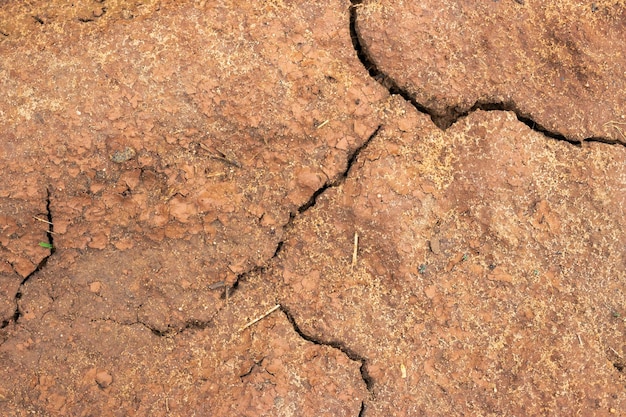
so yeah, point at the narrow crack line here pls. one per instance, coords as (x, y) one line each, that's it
(453, 114)
(255, 364)
(371, 67)
(50, 231)
(154, 331)
(229, 291)
(50, 242)
(49, 238)
(13, 268)
(340, 180)
(193, 324)
(362, 411)
(335, 344)
(170, 332)
(118, 322)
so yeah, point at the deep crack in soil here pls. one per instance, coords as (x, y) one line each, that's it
(230, 291)
(453, 114)
(40, 266)
(336, 344)
(303, 208)
(443, 122)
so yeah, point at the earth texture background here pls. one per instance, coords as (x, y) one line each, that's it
(331, 208)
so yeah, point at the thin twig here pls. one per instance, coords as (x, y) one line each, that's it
(42, 220)
(267, 313)
(323, 124)
(614, 351)
(356, 249)
(221, 157)
(216, 285)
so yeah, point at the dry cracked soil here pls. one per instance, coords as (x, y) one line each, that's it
(331, 208)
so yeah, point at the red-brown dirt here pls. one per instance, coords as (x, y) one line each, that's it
(322, 208)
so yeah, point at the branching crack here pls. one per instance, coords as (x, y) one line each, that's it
(230, 290)
(40, 266)
(352, 355)
(453, 114)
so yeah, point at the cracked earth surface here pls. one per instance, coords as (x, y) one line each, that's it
(421, 204)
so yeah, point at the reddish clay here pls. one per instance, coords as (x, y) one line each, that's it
(218, 209)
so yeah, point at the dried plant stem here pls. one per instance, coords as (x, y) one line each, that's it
(356, 249)
(267, 313)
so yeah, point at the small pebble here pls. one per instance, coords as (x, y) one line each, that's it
(124, 155)
(103, 379)
(95, 286)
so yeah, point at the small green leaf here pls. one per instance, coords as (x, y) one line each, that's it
(46, 245)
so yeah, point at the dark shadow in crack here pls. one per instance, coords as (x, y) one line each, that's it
(342, 177)
(510, 106)
(454, 113)
(229, 291)
(371, 67)
(335, 344)
(362, 411)
(169, 331)
(50, 244)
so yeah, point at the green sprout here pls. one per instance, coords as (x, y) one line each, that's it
(46, 245)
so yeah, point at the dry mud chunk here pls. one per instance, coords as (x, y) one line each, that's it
(266, 370)
(189, 121)
(164, 286)
(200, 127)
(22, 228)
(563, 64)
(236, 114)
(516, 302)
